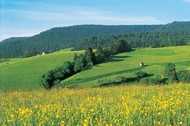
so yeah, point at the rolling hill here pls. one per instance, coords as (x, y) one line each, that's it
(64, 37)
(25, 74)
(126, 64)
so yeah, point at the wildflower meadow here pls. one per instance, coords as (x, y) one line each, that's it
(123, 105)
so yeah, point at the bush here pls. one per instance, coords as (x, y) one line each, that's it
(184, 76)
(48, 79)
(170, 72)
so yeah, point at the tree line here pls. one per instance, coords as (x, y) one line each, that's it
(83, 61)
(139, 40)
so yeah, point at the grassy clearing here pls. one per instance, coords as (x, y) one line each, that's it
(126, 64)
(26, 73)
(122, 105)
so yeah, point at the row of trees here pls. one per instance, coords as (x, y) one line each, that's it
(54, 77)
(139, 40)
(83, 61)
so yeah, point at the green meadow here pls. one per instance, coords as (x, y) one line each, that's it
(25, 74)
(126, 64)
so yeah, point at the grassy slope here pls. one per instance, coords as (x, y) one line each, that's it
(126, 64)
(26, 73)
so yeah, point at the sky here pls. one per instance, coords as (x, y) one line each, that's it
(20, 18)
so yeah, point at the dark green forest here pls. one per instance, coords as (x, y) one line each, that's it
(138, 40)
(72, 36)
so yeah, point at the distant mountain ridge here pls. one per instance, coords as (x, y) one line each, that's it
(65, 37)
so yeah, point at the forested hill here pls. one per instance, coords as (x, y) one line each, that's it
(64, 37)
(175, 26)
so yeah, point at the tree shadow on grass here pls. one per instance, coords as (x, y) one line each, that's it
(124, 80)
(83, 80)
(116, 59)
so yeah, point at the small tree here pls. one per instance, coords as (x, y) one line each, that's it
(123, 46)
(48, 80)
(113, 48)
(184, 76)
(170, 72)
(89, 56)
(100, 55)
(75, 57)
(119, 46)
(80, 63)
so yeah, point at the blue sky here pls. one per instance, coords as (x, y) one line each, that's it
(28, 17)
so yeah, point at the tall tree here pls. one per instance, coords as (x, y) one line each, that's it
(120, 46)
(89, 56)
(80, 63)
(75, 57)
(170, 72)
(100, 55)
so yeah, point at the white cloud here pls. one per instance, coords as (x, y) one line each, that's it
(103, 18)
(70, 17)
(65, 16)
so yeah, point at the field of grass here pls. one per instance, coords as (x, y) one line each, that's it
(126, 64)
(26, 73)
(167, 105)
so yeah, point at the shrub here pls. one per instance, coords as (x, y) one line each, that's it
(170, 72)
(48, 79)
(184, 76)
